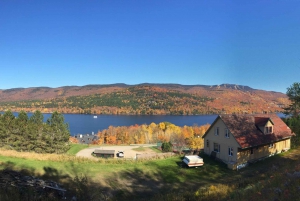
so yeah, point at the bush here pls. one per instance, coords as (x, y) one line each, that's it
(167, 147)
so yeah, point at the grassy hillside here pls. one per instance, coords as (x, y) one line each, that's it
(164, 179)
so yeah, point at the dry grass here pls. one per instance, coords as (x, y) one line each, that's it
(42, 157)
(70, 158)
(276, 178)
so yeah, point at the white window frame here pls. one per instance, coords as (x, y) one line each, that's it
(271, 145)
(218, 149)
(230, 151)
(268, 129)
(217, 130)
(226, 132)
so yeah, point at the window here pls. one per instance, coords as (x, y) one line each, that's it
(207, 143)
(230, 151)
(226, 133)
(271, 145)
(268, 129)
(217, 131)
(216, 147)
(251, 151)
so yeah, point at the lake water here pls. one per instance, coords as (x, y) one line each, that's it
(83, 124)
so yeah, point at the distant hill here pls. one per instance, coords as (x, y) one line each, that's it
(145, 98)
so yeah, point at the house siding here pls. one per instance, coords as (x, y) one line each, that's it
(245, 155)
(224, 143)
(247, 136)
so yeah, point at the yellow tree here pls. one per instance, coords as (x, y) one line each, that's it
(187, 132)
(196, 143)
(172, 130)
(147, 133)
(162, 126)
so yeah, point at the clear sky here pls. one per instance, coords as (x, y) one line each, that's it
(62, 43)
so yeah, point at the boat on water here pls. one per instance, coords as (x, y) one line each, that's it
(95, 117)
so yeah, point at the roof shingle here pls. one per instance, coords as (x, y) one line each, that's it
(245, 129)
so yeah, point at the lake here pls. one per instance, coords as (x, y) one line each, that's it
(87, 123)
(84, 123)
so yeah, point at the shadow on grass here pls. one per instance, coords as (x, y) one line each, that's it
(19, 182)
(169, 175)
(145, 180)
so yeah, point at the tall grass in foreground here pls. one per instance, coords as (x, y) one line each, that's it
(274, 183)
(276, 178)
(278, 187)
(75, 159)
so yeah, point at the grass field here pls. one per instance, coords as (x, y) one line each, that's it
(147, 174)
(141, 149)
(147, 178)
(155, 149)
(75, 148)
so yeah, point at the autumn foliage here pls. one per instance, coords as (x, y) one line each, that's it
(144, 100)
(188, 136)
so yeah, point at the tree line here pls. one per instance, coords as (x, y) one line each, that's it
(293, 112)
(180, 137)
(23, 133)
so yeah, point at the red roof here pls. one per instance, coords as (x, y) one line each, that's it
(261, 121)
(245, 129)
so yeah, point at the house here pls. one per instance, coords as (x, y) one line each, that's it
(86, 138)
(104, 153)
(238, 140)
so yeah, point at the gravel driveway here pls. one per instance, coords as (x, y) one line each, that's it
(128, 152)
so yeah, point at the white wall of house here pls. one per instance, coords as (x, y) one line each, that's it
(228, 146)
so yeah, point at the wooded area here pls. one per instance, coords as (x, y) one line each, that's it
(180, 137)
(147, 100)
(293, 112)
(32, 134)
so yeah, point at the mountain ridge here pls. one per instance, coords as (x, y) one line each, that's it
(224, 85)
(144, 98)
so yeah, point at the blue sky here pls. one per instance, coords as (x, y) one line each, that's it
(63, 43)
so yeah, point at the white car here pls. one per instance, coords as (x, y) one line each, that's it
(193, 161)
(120, 154)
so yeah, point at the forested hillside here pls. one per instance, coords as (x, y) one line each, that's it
(144, 99)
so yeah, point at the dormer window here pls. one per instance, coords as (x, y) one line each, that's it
(268, 129)
(264, 124)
